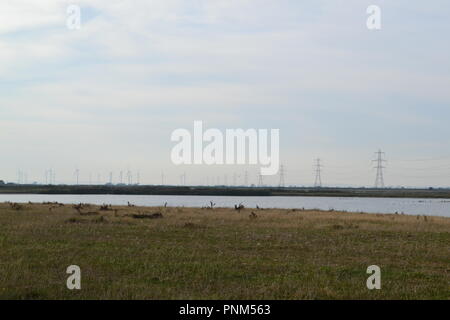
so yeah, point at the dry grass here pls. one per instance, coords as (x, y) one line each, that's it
(192, 253)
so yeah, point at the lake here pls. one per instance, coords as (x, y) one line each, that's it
(432, 207)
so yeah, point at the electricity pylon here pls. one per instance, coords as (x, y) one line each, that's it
(77, 175)
(379, 180)
(281, 184)
(318, 181)
(260, 180)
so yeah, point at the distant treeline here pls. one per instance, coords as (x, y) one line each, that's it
(223, 191)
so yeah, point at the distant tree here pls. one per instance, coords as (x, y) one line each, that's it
(2, 182)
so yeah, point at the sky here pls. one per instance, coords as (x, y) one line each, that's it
(106, 97)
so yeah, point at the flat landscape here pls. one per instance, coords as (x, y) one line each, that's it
(185, 253)
(437, 193)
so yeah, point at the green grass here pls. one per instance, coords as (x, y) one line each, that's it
(220, 254)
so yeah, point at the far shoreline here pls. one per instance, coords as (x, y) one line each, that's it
(430, 193)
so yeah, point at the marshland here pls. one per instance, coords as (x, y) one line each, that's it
(132, 252)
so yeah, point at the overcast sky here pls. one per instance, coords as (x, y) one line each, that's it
(107, 97)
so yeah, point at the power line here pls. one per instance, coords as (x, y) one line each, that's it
(421, 160)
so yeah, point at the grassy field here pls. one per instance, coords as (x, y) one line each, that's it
(219, 253)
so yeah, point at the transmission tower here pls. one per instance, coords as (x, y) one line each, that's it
(318, 181)
(50, 176)
(77, 175)
(183, 179)
(129, 177)
(281, 184)
(19, 177)
(260, 180)
(379, 180)
(246, 178)
(162, 178)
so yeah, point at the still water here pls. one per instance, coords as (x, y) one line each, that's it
(432, 207)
